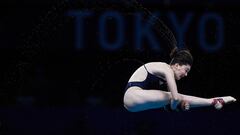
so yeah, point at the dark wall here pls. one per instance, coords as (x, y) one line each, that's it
(54, 68)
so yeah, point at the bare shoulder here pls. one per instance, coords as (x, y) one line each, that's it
(158, 67)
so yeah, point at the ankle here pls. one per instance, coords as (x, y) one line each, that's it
(218, 103)
(218, 100)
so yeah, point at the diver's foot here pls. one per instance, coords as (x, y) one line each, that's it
(218, 102)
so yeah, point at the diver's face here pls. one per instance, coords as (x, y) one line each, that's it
(180, 71)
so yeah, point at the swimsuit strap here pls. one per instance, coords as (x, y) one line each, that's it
(145, 68)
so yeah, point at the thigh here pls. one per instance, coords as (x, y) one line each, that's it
(137, 99)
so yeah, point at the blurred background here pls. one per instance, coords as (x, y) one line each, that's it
(65, 64)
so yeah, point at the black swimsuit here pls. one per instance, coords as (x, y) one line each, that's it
(151, 82)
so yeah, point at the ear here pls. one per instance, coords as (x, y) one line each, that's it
(176, 65)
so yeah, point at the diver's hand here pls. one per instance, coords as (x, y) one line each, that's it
(174, 103)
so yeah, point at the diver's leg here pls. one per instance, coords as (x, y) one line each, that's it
(137, 99)
(201, 102)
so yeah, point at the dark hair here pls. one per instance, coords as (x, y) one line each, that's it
(182, 57)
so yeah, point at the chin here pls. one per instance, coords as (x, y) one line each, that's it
(179, 78)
